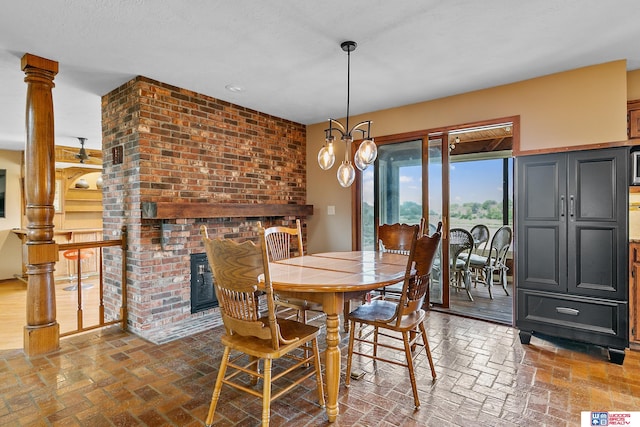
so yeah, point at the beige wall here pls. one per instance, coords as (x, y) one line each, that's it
(577, 107)
(10, 245)
(633, 85)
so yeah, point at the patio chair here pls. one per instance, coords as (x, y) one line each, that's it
(497, 259)
(480, 234)
(460, 247)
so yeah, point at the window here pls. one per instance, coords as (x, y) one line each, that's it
(396, 179)
(481, 191)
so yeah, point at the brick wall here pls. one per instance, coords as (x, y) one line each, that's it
(181, 146)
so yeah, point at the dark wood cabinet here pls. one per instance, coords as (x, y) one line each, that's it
(633, 119)
(634, 295)
(572, 246)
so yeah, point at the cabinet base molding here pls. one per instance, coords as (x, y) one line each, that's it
(616, 355)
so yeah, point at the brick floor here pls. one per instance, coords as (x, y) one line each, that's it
(485, 377)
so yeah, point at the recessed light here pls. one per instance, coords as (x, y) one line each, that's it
(234, 88)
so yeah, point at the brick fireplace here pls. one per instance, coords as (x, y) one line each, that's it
(175, 159)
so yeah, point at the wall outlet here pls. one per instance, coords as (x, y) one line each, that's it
(331, 210)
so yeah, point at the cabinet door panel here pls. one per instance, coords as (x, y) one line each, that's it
(541, 268)
(593, 184)
(597, 225)
(542, 199)
(541, 226)
(594, 260)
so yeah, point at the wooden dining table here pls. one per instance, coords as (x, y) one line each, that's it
(330, 278)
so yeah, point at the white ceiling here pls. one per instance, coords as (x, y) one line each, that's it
(286, 53)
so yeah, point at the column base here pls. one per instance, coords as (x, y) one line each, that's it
(40, 340)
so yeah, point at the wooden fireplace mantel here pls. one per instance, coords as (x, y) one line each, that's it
(175, 210)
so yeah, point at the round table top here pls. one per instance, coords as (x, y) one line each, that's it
(338, 271)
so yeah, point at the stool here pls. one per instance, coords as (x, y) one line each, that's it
(72, 255)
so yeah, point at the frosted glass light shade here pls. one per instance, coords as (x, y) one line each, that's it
(358, 162)
(367, 152)
(326, 157)
(346, 174)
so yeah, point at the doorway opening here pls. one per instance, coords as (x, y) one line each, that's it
(461, 176)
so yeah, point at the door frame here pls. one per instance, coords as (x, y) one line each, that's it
(424, 136)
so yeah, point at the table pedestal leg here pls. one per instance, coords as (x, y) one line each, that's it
(332, 365)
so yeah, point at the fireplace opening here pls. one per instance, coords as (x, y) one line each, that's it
(203, 295)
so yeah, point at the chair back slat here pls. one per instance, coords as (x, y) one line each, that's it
(237, 269)
(460, 242)
(500, 244)
(416, 283)
(396, 238)
(279, 240)
(480, 234)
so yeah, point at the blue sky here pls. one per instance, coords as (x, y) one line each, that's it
(475, 181)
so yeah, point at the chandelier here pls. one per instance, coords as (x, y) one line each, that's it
(367, 151)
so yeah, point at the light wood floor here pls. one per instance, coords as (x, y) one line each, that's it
(13, 311)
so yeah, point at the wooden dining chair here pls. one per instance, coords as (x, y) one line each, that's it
(396, 238)
(236, 269)
(279, 241)
(389, 322)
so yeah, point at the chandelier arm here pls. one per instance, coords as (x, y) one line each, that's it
(366, 133)
(338, 126)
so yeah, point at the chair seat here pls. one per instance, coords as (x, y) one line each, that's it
(379, 311)
(290, 329)
(460, 264)
(477, 261)
(396, 288)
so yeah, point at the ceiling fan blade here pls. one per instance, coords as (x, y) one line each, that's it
(82, 154)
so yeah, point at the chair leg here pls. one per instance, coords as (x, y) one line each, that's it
(318, 368)
(412, 374)
(302, 317)
(467, 283)
(503, 279)
(266, 393)
(490, 281)
(423, 331)
(347, 379)
(218, 386)
(345, 312)
(254, 378)
(375, 342)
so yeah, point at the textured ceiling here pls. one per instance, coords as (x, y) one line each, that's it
(286, 54)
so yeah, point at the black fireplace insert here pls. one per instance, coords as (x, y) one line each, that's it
(203, 295)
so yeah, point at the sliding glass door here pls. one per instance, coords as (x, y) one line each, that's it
(459, 177)
(437, 209)
(391, 191)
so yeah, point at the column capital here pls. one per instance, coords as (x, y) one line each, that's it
(32, 61)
